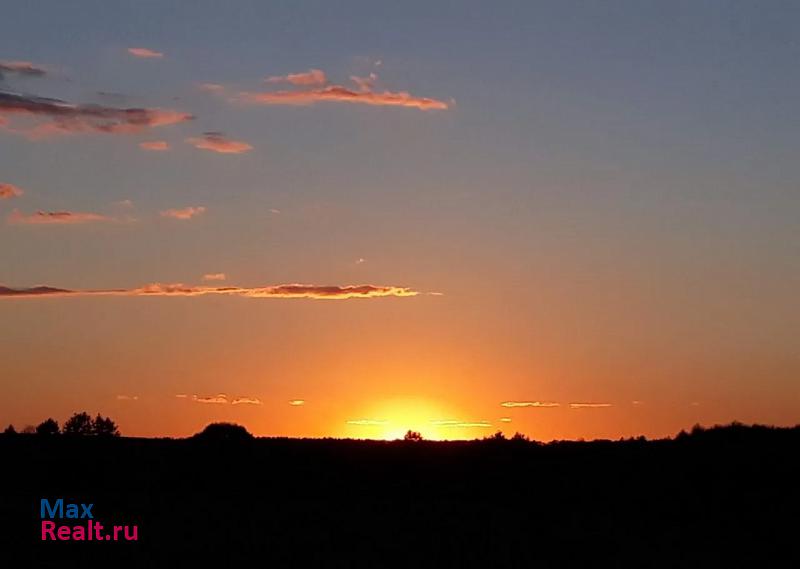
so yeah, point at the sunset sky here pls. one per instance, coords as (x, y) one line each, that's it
(567, 219)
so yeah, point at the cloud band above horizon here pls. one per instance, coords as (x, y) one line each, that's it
(276, 291)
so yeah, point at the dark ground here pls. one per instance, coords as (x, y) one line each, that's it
(725, 497)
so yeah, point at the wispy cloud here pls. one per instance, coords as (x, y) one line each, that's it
(589, 405)
(316, 90)
(23, 68)
(364, 83)
(297, 402)
(9, 191)
(219, 143)
(246, 401)
(56, 218)
(181, 396)
(505, 419)
(529, 404)
(154, 145)
(366, 422)
(183, 213)
(338, 93)
(461, 424)
(211, 87)
(310, 77)
(59, 117)
(127, 397)
(219, 399)
(214, 277)
(277, 291)
(145, 53)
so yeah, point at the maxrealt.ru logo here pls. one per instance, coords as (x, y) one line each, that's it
(76, 523)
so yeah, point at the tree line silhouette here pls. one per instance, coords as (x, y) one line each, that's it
(80, 424)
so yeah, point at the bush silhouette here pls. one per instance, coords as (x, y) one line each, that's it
(79, 424)
(224, 432)
(10, 430)
(48, 427)
(412, 436)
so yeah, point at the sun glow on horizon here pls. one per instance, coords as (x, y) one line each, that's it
(392, 419)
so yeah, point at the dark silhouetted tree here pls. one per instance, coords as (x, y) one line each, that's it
(79, 424)
(29, 430)
(224, 432)
(48, 427)
(104, 427)
(412, 436)
(10, 430)
(498, 436)
(520, 438)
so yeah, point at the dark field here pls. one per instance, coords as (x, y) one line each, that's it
(725, 497)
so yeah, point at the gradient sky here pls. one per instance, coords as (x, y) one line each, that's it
(605, 195)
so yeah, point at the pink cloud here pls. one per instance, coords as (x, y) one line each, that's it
(56, 218)
(338, 93)
(183, 213)
(9, 191)
(154, 145)
(365, 83)
(310, 77)
(217, 142)
(145, 53)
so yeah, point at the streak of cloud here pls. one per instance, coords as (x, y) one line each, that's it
(154, 145)
(544, 404)
(127, 397)
(219, 399)
(219, 143)
(22, 68)
(145, 53)
(338, 93)
(56, 218)
(288, 291)
(60, 117)
(246, 401)
(366, 422)
(461, 424)
(297, 402)
(9, 191)
(215, 277)
(589, 405)
(310, 77)
(183, 213)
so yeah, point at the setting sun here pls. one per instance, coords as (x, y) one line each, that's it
(393, 418)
